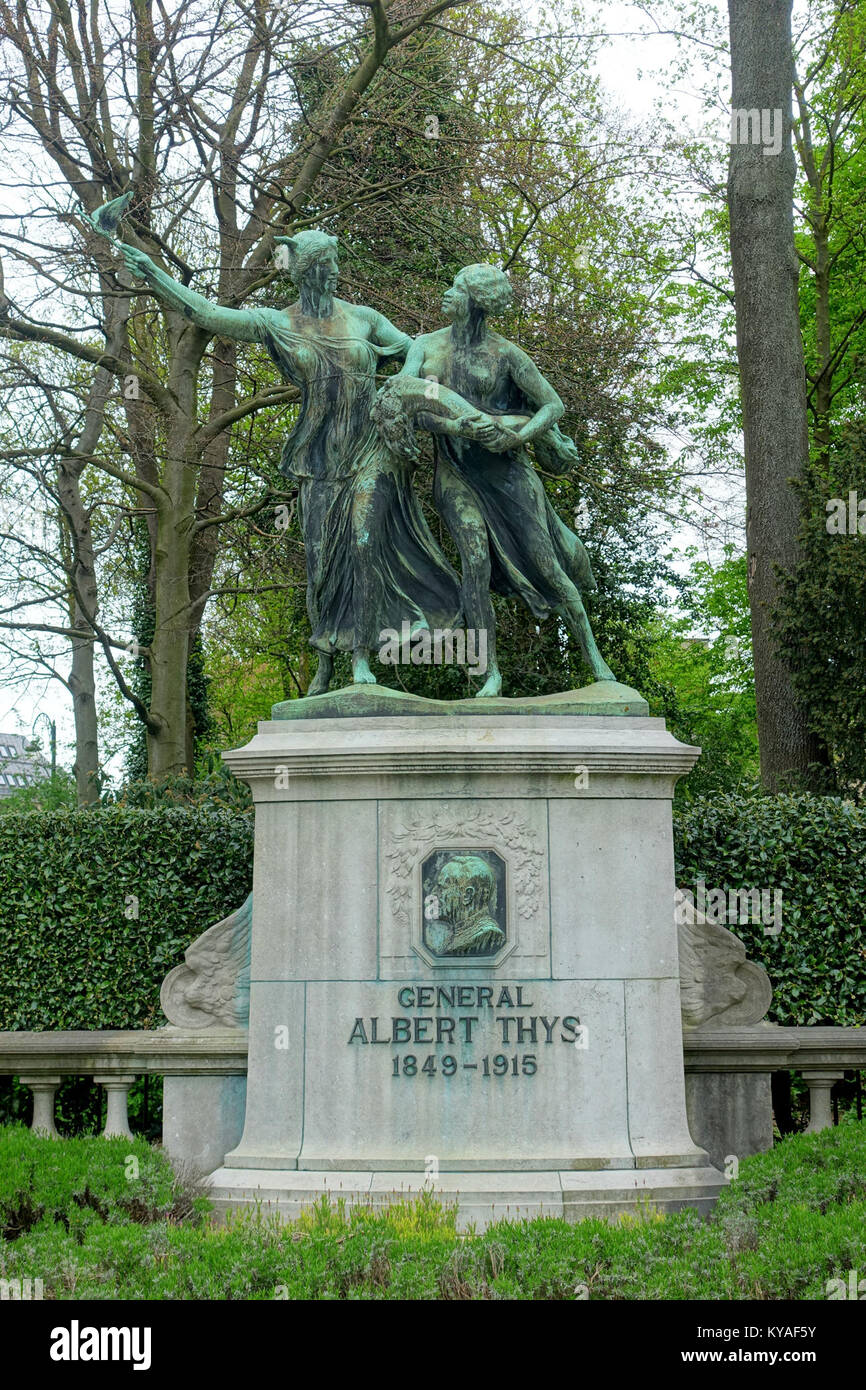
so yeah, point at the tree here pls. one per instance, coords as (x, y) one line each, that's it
(830, 139)
(772, 374)
(820, 618)
(193, 103)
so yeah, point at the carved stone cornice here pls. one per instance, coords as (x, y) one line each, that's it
(440, 749)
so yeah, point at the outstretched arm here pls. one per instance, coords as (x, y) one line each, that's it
(225, 323)
(536, 390)
(440, 410)
(414, 364)
(388, 339)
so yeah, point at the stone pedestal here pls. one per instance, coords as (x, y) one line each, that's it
(463, 965)
(202, 1117)
(730, 1114)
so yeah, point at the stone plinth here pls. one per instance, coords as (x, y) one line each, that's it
(464, 962)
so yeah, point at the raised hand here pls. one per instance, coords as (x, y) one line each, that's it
(107, 218)
(138, 262)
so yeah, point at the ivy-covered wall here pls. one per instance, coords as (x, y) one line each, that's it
(810, 850)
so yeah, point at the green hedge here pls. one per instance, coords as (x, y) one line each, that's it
(71, 957)
(92, 1224)
(813, 849)
(73, 952)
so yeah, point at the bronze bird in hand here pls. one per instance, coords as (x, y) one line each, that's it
(107, 218)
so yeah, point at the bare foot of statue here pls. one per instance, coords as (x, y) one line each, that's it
(597, 663)
(322, 679)
(602, 671)
(361, 673)
(492, 686)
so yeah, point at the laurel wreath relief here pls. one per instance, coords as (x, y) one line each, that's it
(476, 829)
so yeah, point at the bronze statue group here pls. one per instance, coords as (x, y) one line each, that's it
(372, 561)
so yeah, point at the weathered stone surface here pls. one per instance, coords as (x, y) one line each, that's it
(571, 1110)
(202, 1118)
(561, 1050)
(480, 1197)
(274, 1117)
(730, 1114)
(611, 869)
(720, 987)
(314, 878)
(534, 759)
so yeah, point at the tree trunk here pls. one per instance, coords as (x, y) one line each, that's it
(169, 650)
(84, 594)
(170, 646)
(772, 372)
(823, 342)
(80, 565)
(82, 685)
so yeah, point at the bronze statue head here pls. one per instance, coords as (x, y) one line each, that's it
(484, 288)
(312, 255)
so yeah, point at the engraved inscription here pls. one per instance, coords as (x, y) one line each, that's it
(433, 1018)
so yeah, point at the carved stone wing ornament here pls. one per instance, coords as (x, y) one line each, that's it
(718, 984)
(212, 988)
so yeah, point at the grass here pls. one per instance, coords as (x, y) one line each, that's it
(109, 1219)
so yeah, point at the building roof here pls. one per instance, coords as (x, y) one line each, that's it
(18, 768)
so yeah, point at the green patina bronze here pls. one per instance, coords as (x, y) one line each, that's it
(602, 697)
(372, 562)
(491, 499)
(371, 558)
(461, 904)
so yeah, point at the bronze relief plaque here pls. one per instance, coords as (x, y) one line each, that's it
(463, 893)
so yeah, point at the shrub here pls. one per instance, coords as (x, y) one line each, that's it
(813, 849)
(92, 1227)
(96, 907)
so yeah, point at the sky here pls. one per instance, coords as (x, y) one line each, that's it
(636, 69)
(634, 73)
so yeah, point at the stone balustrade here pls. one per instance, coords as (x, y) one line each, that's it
(115, 1058)
(728, 1074)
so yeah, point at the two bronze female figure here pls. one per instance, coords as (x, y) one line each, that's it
(372, 561)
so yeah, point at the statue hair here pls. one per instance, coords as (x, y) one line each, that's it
(305, 248)
(489, 287)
